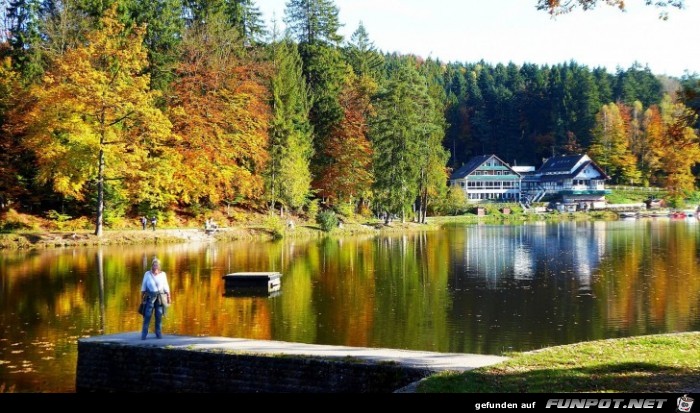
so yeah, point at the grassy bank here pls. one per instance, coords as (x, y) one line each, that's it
(656, 363)
(38, 233)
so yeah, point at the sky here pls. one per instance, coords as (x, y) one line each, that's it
(503, 31)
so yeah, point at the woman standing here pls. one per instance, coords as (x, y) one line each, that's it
(155, 291)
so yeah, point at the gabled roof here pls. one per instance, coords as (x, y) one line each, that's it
(562, 167)
(560, 164)
(594, 165)
(474, 164)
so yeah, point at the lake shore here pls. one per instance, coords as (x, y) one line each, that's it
(44, 238)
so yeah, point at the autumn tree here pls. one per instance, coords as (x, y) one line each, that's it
(347, 176)
(94, 119)
(611, 147)
(218, 107)
(651, 147)
(288, 176)
(680, 148)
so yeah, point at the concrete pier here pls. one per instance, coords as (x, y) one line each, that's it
(123, 362)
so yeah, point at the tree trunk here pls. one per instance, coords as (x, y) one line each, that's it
(100, 193)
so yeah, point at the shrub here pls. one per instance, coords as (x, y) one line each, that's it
(11, 220)
(455, 203)
(327, 220)
(312, 210)
(60, 221)
(364, 211)
(346, 209)
(80, 223)
(275, 225)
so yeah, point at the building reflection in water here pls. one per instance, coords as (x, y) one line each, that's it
(499, 257)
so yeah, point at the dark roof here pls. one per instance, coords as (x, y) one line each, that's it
(470, 166)
(541, 177)
(560, 164)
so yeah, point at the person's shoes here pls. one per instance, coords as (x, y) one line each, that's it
(159, 337)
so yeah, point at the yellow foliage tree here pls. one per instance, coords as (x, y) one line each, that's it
(611, 144)
(680, 148)
(94, 119)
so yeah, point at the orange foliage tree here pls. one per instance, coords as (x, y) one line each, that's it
(348, 174)
(219, 109)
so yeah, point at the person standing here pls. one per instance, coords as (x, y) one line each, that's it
(144, 221)
(153, 222)
(155, 291)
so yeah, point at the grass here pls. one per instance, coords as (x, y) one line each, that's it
(656, 363)
(632, 197)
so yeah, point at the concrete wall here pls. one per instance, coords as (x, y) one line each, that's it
(110, 367)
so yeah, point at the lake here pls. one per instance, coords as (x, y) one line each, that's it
(477, 289)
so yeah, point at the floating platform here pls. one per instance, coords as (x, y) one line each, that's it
(267, 282)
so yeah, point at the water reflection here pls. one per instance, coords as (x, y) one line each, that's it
(479, 289)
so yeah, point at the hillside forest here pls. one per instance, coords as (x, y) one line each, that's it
(116, 109)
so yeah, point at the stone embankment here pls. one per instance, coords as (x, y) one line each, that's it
(125, 363)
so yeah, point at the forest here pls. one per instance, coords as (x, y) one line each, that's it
(119, 108)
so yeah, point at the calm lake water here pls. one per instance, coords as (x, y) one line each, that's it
(475, 289)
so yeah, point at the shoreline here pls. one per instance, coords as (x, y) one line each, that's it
(44, 239)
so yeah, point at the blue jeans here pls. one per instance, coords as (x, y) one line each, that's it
(151, 307)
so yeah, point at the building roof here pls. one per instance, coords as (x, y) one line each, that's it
(562, 167)
(474, 164)
(559, 164)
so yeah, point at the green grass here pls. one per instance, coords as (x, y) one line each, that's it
(657, 363)
(632, 197)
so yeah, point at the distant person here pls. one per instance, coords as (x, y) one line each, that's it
(154, 221)
(155, 292)
(144, 221)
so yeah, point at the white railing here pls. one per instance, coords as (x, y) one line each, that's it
(635, 188)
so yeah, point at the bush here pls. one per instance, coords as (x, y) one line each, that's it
(455, 203)
(312, 210)
(11, 220)
(327, 220)
(364, 211)
(275, 225)
(59, 220)
(346, 209)
(81, 223)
